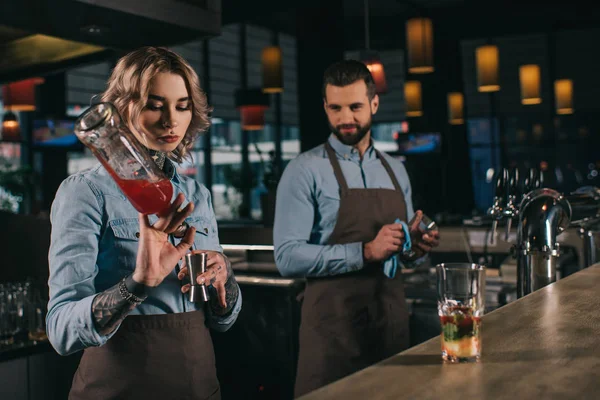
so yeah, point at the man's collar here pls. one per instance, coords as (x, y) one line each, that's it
(347, 151)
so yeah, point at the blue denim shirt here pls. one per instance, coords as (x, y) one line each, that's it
(94, 245)
(308, 201)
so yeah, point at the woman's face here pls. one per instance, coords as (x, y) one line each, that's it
(168, 113)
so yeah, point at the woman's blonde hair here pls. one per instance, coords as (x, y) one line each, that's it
(129, 83)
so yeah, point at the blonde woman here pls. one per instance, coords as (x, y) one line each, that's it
(116, 276)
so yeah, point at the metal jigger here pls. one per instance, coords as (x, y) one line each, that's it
(196, 263)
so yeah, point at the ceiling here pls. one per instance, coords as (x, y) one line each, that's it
(98, 29)
(39, 36)
(456, 19)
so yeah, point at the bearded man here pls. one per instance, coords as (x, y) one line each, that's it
(338, 223)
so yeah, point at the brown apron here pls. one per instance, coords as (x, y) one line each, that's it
(353, 320)
(168, 356)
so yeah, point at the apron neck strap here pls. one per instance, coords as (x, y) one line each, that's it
(337, 170)
(389, 170)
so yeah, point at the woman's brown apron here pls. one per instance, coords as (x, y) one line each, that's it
(167, 356)
(353, 320)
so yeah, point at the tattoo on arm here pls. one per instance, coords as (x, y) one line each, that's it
(231, 293)
(110, 309)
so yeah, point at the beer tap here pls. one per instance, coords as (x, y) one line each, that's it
(497, 209)
(511, 210)
(543, 214)
(532, 181)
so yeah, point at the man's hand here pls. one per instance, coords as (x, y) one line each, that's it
(422, 242)
(388, 241)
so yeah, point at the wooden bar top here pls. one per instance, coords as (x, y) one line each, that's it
(545, 345)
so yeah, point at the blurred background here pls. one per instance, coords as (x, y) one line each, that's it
(466, 88)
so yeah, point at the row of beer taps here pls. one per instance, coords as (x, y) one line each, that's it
(509, 191)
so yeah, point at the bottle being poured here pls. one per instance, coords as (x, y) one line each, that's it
(102, 130)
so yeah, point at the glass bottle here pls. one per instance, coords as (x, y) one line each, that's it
(102, 130)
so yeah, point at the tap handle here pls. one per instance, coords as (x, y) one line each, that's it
(513, 183)
(530, 181)
(501, 182)
(541, 179)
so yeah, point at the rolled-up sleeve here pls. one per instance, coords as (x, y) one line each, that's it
(221, 323)
(76, 218)
(294, 218)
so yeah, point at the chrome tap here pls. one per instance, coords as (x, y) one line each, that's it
(511, 211)
(497, 209)
(585, 203)
(543, 215)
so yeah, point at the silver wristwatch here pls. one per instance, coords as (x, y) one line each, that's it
(127, 295)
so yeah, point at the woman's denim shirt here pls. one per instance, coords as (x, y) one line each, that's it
(94, 244)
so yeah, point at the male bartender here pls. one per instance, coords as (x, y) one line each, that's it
(335, 216)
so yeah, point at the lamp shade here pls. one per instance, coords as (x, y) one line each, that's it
(10, 127)
(456, 108)
(412, 94)
(272, 69)
(252, 104)
(419, 43)
(20, 96)
(529, 75)
(563, 91)
(373, 62)
(486, 58)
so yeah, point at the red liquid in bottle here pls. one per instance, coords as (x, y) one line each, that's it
(146, 197)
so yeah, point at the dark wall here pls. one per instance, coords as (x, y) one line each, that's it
(24, 244)
(320, 42)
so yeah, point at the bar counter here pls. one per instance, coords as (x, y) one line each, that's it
(544, 345)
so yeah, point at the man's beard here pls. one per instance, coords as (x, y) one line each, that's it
(351, 139)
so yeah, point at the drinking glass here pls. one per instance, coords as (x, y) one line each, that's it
(461, 303)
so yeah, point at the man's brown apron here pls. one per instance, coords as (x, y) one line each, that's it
(166, 356)
(353, 320)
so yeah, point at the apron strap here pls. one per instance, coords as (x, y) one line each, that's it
(389, 170)
(337, 170)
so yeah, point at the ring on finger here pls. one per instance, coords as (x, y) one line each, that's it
(181, 230)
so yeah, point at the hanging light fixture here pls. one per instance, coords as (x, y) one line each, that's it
(272, 69)
(419, 44)
(412, 94)
(563, 91)
(371, 58)
(10, 127)
(486, 58)
(529, 76)
(373, 63)
(456, 108)
(252, 104)
(20, 96)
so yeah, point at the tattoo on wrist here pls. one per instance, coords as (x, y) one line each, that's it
(109, 309)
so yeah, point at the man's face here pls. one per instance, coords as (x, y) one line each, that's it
(349, 111)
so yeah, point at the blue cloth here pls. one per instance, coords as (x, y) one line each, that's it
(308, 201)
(390, 266)
(94, 245)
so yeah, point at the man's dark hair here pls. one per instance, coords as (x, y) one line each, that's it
(346, 72)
